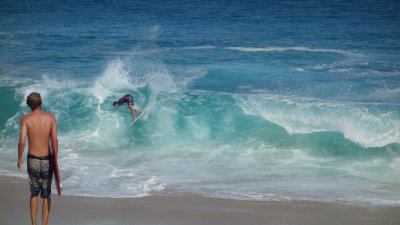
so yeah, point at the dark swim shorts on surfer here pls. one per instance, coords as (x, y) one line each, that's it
(126, 99)
(40, 171)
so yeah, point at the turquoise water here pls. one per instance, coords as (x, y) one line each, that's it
(246, 100)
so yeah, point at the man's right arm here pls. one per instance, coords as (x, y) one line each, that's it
(53, 137)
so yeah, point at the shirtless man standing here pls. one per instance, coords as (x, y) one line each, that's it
(40, 128)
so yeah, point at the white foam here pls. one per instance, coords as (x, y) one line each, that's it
(342, 70)
(122, 173)
(199, 129)
(115, 77)
(299, 115)
(153, 184)
(160, 80)
(54, 93)
(267, 49)
(285, 49)
(186, 76)
(13, 122)
(200, 47)
(197, 47)
(132, 73)
(298, 69)
(390, 94)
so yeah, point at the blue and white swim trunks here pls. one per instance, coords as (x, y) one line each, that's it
(40, 172)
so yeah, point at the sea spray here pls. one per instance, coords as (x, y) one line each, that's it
(246, 146)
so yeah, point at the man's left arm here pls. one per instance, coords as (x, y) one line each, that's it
(21, 144)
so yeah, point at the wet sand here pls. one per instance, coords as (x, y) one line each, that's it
(185, 210)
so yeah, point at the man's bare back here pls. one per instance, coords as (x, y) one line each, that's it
(40, 128)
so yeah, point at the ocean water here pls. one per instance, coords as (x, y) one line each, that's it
(253, 100)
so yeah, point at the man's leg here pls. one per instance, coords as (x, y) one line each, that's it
(33, 208)
(46, 210)
(132, 108)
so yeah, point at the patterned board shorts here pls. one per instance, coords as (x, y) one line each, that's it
(40, 171)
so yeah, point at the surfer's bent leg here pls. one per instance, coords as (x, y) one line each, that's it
(132, 109)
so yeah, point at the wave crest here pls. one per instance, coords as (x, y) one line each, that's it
(362, 124)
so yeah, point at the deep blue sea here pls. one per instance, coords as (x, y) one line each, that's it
(254, 100)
